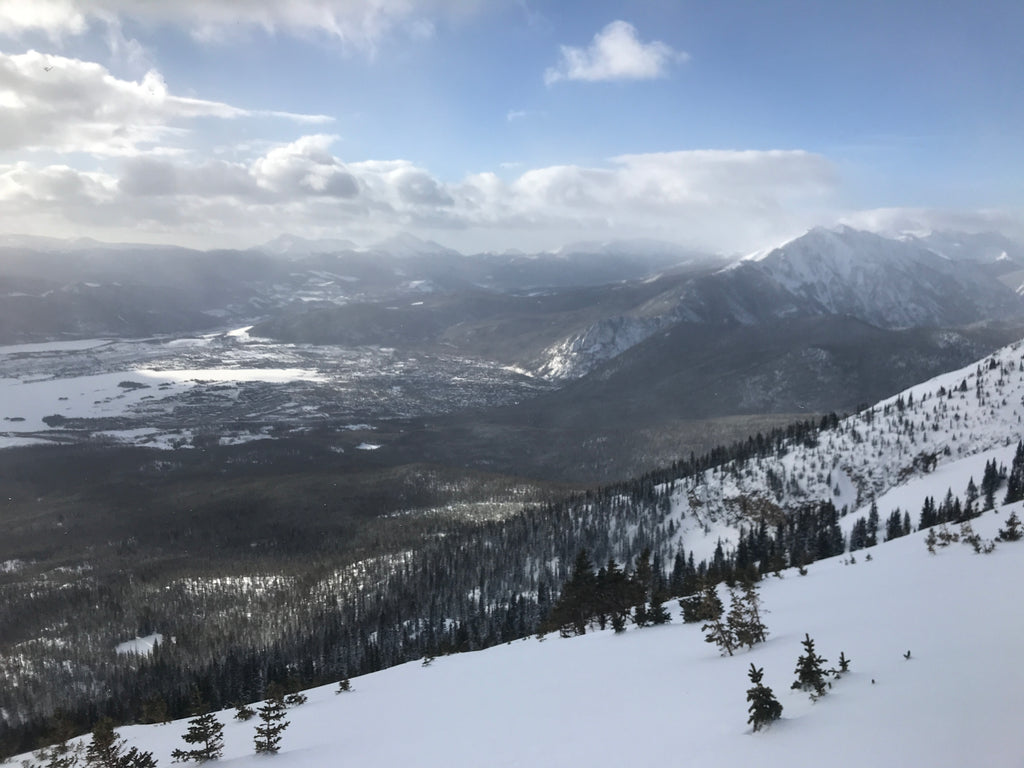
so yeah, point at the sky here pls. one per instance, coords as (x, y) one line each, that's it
(508, 124)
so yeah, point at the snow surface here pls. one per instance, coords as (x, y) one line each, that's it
(25, 402)
(662, 696)
(142, 646)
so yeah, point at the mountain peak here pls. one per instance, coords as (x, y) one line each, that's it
(287, 244)
(407, 245)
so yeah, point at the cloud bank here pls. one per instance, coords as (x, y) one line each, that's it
(357, 24)
(723, 199)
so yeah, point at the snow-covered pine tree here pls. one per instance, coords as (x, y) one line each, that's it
(272, 724)
(764, 708)
(207, 731)
(810, 671)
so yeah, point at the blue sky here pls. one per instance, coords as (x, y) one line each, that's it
(510, 123)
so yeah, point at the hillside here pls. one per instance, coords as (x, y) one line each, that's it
(662, 695)
(431, 581)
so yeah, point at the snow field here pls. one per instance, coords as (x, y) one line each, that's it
(661, 695)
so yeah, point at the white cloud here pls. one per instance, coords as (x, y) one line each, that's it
(714, 199)
(68, 105)
(356, 24)
(894, 221)
(616, 53)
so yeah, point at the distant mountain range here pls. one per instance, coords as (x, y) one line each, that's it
(634, 334)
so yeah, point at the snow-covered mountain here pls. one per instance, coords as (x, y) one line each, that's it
(889, 283)
(938, 433)
(293, 245)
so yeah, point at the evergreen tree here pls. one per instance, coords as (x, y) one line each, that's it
(344, 685)
(244, 712)
(272, 724)
(810, 671)
(929, 515)
(657, 613)
(59, 755)
(971, 494)
(208, 732)
(1012, 530)
(871, 539)
(106, 750)
(745, 616)
(577, 604)
(703, 607)
(1015, 480)
(990, 482)
(154, 710)
(764, 709)
(642, 581)
(719, 630)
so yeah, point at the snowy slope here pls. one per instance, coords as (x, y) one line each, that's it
(873, 454)
(662, 696)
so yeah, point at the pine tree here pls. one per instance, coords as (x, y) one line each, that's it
(764, 709)
(106, 750)
(154, 710)
(344, 685)
(1012, 530)
(244, 712)
(577, 604)
(641, 582)
(268, 732)
(206, 730)
(1015, 480)
(718, 629)
(872, 528)
(703, 607)
(810, 671)
(59, 755)
(990, 482)
(745, 616)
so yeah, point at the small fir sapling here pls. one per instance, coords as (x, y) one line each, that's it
(810, 672)
(764, 709)
(272, 724)
(206, 731)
